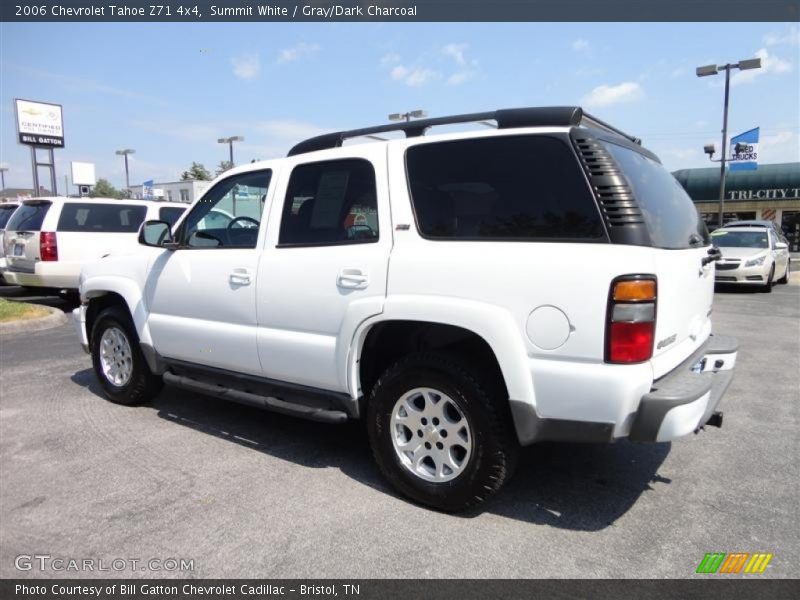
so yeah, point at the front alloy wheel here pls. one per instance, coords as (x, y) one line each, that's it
(115, 356)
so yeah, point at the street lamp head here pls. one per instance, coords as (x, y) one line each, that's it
(750, 63)
(709, 149)
(707, 70)
(396, 117)
(237, 138)
(418, 114)
(126, 151)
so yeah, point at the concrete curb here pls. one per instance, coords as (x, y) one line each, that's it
(55, 318)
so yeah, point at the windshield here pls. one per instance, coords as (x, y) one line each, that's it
(740, 239)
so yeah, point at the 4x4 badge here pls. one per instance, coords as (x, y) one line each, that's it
(667, 341)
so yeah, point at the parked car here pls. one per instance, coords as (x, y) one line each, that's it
(753, 253)
(463, 293)
(6, 210)
(48, 240)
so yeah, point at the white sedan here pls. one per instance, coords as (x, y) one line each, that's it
(751, 256)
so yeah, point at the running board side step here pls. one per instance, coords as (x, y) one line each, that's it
(265, 402)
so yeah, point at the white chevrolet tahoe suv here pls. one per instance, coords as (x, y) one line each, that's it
(465, 294)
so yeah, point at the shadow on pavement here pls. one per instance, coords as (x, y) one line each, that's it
(584, 487)
(65, 302)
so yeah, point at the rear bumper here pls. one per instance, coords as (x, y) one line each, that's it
(46, 274)
(685, 399)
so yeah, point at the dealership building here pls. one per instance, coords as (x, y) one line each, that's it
(770, 192)
(187, 190)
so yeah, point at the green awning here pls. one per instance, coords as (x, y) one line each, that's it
(783, 179)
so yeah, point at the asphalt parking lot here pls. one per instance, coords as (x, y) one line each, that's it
(245, 493)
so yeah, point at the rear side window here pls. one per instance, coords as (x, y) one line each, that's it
(5, 214)
(671, 216)
(28, 217)
(332, 202)
(509, 187)
(170, 214)
(101, 218)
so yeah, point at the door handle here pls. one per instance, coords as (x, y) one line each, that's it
(352, 279)
(240, 276)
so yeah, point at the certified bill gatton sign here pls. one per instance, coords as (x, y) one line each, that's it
(39, 123)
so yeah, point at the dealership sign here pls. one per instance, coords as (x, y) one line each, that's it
(39, 124)
(744, 151)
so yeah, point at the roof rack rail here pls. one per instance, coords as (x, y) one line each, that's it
(545, 116)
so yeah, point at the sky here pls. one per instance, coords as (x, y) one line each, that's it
(170, 90)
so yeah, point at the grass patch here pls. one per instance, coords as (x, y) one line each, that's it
(13, 311)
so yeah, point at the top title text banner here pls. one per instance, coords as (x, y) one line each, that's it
(399, 10)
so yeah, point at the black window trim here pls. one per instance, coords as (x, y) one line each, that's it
(339, 242)
(185, 217)
(562, 137)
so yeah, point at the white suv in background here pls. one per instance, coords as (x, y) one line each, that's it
(463, 293)
(48, 240)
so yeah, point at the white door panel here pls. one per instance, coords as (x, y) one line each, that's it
(198, 313)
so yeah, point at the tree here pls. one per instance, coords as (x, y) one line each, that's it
(196, 171)
(223, 166)
(103, 189)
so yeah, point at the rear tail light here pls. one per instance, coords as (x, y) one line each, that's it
(631, 321)
(48, 246)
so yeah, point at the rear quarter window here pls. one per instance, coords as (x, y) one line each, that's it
(28, 217)
(101, 218)
(170, 214)
(669, 213)
(501, 188)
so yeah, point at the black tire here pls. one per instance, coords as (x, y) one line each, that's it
(785, 278)
(767, 289)
(142, 386)
(494, 445)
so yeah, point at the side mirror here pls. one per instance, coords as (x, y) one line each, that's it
(780, 246)
(155, 233)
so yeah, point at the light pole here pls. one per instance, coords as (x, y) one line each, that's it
(125, 154)
(3, 170)
(407, 116)
(229, 141)
(742, 65)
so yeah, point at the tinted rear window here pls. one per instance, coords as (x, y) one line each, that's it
(671, 216)
(101, 218)
(29, 217)
(505, 187)
(5, 215)
(170, 214)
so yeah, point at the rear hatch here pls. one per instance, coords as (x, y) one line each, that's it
(680, 244)
(21, 238)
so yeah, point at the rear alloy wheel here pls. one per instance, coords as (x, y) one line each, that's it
(437, 435)
(118, 361)
(770, 280)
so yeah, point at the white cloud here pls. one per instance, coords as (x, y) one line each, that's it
(456, 52)
(605, 95)
(288, 130)
(246, 66)
(791, 38)
(781, 146)
(769, 64)
(301, 50)
(580, 45)
(390, 59)
(460, 77)
(678, 72)
(413, 76)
